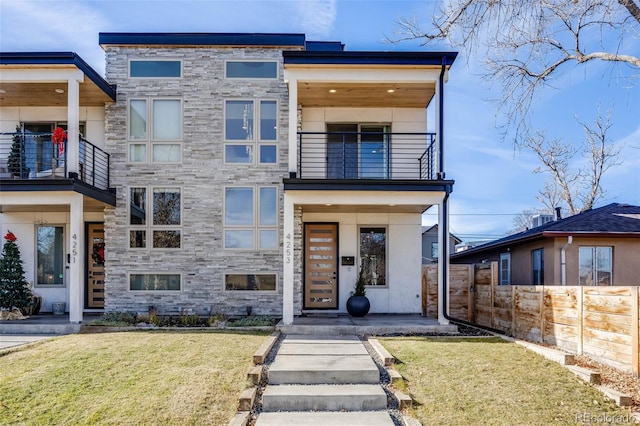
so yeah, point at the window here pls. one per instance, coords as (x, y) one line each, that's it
(155, 130)
(155, 69)
(50, 256)
(505, 268)
(537, 260)
(357, 151)
(251, 69)
(154, 282)
(41, 154)
(241, 135)
(162, 223)
(255, 282)
(596, 265)
(434, 250)
(251, 217)
(373, 255)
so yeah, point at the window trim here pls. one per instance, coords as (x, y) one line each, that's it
(277, 76)
(64, 251)
(242, 272)
(148, 272)
(594, 269)
(256, 142)
(540, 279)
(507, 256)
(386, 253)
(255, 227)
(155, 60)
(149, 142)
(149, 227)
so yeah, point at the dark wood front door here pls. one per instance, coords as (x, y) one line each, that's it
(95, 266)
(321, 266)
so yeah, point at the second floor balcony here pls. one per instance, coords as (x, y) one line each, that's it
(373, 154)
(35, 156)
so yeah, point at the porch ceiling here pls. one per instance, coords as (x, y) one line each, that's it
(44, 94)
(399, 95)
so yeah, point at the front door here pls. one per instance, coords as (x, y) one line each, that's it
(95, 266)
(321, 266)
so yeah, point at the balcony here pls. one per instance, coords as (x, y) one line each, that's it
(34, 156)
(370, 155)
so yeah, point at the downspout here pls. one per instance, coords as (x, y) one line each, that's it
(445, 212)
(563, 260)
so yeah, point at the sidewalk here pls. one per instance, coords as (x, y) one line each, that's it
(12, 340)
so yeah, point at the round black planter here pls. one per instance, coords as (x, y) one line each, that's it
(358, 306)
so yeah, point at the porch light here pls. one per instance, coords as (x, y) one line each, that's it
(391, 90)
(332, 90)
(59, 90)
(2, 91)
(328, 204)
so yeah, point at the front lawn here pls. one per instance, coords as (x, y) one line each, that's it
(150, 378)
(471, 381)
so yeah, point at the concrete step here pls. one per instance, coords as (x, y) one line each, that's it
(324, 398)
(323, 369)
(289, 348)
(324, 418)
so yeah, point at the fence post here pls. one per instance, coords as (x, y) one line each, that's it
(541, 313)
(634, 330)
(580, 315)
(494, 282)
(471, 295)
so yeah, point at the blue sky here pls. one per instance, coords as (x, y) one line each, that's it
(493, 180)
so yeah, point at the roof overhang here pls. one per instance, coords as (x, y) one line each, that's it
(365, 79)
(40, 79)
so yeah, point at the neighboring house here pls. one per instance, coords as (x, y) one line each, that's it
(263, 170)
(596, 247)
(430, 250)
(54, 201)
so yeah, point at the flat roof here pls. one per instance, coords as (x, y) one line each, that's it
(369, 58)
(202, 39)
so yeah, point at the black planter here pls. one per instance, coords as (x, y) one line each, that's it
(358, 306)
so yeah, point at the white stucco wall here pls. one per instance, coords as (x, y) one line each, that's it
(403, 289)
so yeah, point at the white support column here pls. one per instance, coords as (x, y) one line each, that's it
(76, 257)
(288, 261)
(73, 118)
(293, 125)
(443, 260)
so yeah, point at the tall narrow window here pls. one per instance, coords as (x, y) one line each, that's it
(537, 260)
(596, 265)
(505, 268)
(373, 255)
(50, 256)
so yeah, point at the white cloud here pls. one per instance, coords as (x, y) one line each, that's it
(316, 17)
(63, 26)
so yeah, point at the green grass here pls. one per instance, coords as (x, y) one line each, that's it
(145, 378)
(458, 381)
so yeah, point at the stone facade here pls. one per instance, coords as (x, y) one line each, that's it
(202, 176)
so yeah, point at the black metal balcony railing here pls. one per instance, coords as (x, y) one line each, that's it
(366, 155)
(30, 155)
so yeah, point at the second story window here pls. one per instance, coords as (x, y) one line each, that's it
(251, 131)
(155, 69)
(155, 130)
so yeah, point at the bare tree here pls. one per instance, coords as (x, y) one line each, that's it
(574, 184)
(526, 44)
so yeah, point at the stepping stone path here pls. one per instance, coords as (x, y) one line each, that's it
(323, 381)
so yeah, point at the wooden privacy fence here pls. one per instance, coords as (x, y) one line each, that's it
(601, 322)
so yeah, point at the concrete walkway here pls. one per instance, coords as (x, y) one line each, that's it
(317, 380)
(12, 340)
